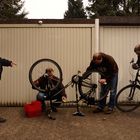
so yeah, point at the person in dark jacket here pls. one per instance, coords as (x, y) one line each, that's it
(42, 83)
(106, 65)
(4, 62)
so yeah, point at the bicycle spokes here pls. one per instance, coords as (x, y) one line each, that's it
(128, 98)
(38, 69)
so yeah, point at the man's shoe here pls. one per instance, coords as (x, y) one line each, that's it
(97, 110)
(108, 111)
(2, 120)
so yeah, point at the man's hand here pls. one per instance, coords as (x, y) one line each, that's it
(64, 99)
(12, 64)
(102, 81)
(135, 66)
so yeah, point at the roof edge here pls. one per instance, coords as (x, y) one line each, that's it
(103, 20)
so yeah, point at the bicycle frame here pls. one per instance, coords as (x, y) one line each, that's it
(136, 78)
(73, 81)
(135, 83)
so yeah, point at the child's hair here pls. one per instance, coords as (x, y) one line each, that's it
(50, 70)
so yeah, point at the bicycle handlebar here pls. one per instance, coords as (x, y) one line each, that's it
(75, 78)
(134, 65)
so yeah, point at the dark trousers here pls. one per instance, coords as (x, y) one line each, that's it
(112, 84)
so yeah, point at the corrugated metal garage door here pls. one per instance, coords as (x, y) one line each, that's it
(120, 42)
(69, 45)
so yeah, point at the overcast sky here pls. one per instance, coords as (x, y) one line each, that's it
(47, 9)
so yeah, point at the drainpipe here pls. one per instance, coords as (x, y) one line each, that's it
(97, 35)
(97, 50)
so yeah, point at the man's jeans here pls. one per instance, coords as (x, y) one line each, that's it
(43, 97)
(113, 90)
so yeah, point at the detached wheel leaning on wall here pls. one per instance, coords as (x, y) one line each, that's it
(38, 69)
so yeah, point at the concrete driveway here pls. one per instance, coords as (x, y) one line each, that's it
(116, 126)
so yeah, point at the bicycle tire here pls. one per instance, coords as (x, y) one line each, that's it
(41, 65)
(89, 88)
(123, 99)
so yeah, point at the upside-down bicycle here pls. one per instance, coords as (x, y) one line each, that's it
(128, 98)
(87, 85)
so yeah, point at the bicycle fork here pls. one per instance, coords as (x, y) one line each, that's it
(131, 94)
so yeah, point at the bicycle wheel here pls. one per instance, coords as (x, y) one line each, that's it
(128, 98)
(89, 87)
(38, 69)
